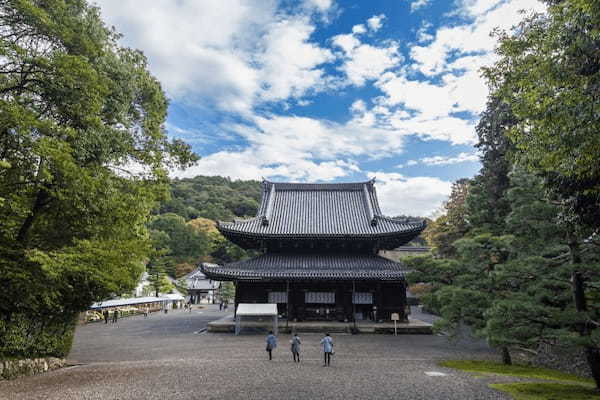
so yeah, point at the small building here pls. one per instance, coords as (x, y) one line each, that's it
(144, 287)
(200, 288)
(320, 245)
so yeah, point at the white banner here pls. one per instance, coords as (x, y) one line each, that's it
(319, 298)
(362, 298)
(277, 297)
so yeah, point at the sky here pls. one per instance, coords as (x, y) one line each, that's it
(325, 90)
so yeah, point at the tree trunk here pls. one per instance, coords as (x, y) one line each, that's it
(41, 199)
(593, 358)
(506, 358)
(584, 328)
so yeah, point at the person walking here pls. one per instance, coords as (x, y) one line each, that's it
(295, 347)
(105, 315)
(115, 316)
(327, 344)
(145, 312)
(271, 344)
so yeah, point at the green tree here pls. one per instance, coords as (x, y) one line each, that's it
(549, 73)
(213, 197)
(180, 241)
(77, 111)
(486, 204)
(452, 225)
(227, 291)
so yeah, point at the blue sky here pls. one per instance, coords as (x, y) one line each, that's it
(325, 90)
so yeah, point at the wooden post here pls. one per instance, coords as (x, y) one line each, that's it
(353, 304)
(236, 300)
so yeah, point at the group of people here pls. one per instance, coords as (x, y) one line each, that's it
(326, 345)
(115, 316)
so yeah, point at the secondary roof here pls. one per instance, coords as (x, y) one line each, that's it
(289, 266)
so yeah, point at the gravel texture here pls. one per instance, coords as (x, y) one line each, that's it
(165, 357)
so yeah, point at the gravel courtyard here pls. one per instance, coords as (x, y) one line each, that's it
(168, 357)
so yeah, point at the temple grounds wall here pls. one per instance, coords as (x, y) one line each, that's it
(10, 369)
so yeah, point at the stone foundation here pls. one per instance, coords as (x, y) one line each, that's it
(10, 369)
(414, 326)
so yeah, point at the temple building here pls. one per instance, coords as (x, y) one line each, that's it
(320, 245)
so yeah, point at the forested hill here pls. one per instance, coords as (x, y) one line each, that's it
(183, 229)
(212, 197)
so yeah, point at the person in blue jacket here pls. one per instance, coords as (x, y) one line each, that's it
(327, 344)
(295, 347)
(271, 344)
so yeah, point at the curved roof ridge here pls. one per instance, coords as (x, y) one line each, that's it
(318, 186)
(400, 221)
(237, 221)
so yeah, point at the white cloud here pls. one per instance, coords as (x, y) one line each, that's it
(423, 34)
(242, 57)
(453, 84)
(250, 164)
(448, 129)
(359, 29)
(448, 160)
(358, 106)
(367, 62)
(363, 62)
(299, 148)
(415, 196)
(417, 4)
(473, 37)
(376, 22)
(232, 54)
(321, 5)
(289, 62)
(443, 160)
(346, 42)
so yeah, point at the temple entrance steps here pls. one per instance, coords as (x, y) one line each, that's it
(414, 326)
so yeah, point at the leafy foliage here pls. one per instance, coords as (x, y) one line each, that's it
(185, 228)
(539, 189)
(76, 111)
(213, 197)
(442, 232)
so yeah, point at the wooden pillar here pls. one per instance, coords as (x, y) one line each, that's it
(378, 302)
(236, 299)
(404, 302)
(353, 305)
(287, 304)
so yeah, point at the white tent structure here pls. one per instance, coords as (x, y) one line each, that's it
(132, 301)
(255, 310)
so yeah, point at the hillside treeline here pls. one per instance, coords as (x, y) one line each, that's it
(183, 229)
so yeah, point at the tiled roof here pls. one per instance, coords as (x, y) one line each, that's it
(197, 280)
(286, 266)
(320, 210)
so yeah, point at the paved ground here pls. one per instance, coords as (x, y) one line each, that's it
(417, 313)
(164, 357)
